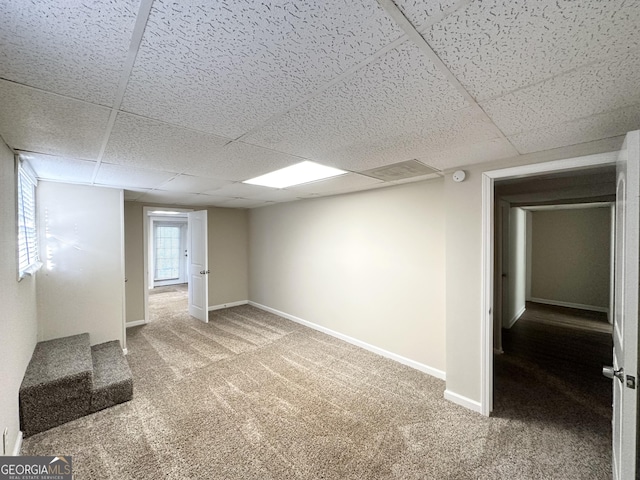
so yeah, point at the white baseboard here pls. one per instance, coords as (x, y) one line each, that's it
(515, 318)
(558, 303)
(135, 323)
(125, 351)
(227, 305)
(18, 445)
(434, 372)
(463, 401)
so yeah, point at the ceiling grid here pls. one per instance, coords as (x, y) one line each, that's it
(180, 102)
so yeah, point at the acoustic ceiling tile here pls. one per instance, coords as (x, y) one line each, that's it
(129, 177)
(37, 121)
(246, 203)
(133, 195)
(142, 142)
(604, 125)
(422, 14)
(239, 161)
(225, 67)
(181, 199)
(481, 152)
(50, 167)
(68, 47)
(421, 178)
(191, 184)
(463, 127)
(496, 46)
(589, 90)
(399, 95)
(343, 183)
(244, 190)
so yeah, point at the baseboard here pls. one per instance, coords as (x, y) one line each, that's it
(558, 303)
(18, 445)
(463, 401)
(515, 318)
(227, 305)
(434, 372)
(135, 323)
(125, 351)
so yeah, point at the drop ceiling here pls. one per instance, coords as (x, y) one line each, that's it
(179, 102)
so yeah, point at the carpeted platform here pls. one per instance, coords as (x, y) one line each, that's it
(254, 396)
(67, 379)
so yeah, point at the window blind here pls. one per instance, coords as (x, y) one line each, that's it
(28, 259)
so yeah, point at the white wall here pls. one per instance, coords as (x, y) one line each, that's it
(80, 288)
(18, 321)
(368, 265)
(571, 257)
(517, 276)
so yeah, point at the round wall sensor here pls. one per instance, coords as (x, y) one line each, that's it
(459, 175)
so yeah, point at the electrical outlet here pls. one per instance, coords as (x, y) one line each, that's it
(5, 441)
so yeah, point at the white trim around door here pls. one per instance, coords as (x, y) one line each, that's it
(488, 180)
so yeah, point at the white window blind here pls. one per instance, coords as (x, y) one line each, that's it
(28, 259)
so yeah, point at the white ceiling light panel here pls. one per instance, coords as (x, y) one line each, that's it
(303, 172)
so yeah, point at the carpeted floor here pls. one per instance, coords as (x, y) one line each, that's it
(254, 396)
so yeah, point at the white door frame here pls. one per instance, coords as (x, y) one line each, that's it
(488, 181)
(146, 226)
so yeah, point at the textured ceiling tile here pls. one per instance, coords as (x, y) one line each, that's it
(123, 177)
(191, 184)
(398, 96)
(480, 152)
(496, 46)
(182, 199)
(68, 47)
(42, 122)
(605, 125)
(239, 161)
(421, 178)
(246, 203)
(343, 183)
(49, 167)
(460, 128)
(146, 143)
(590, 90)
(423, 13)
(243, 190)
(134, 195)
(225, 67)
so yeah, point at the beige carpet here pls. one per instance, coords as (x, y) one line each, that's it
(254, 396)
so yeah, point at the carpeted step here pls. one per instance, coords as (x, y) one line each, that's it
(112, 379)
(56, 387)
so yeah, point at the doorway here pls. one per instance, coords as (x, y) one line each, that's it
(166, 254)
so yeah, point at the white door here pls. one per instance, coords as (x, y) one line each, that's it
(198, 266)
(625, 331)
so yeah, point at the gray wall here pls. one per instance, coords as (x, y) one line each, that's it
(571, 256)
(517, 272)
(19, 328)
(368, 265)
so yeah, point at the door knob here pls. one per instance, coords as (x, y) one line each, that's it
(609, 372)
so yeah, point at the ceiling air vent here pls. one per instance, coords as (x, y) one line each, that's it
(399, 171)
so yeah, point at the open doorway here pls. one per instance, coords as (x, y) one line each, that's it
(167, 266)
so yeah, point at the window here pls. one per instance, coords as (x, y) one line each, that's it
(28, 259)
